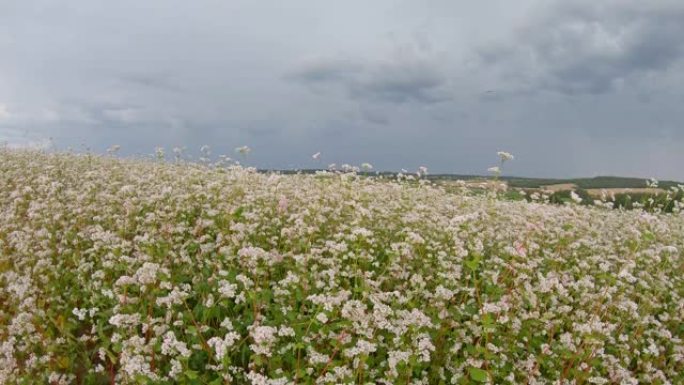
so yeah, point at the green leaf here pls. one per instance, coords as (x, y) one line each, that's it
(473, 263)
(238, 213)
(477, 374)
(191, 374)
(487, 319)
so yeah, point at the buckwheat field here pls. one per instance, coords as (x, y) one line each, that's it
(122, 271)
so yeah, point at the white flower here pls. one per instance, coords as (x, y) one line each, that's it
(159, 152)
(120, 320)
(286, 331)
(322, 318)
(80, 313)
(176, 368)
(264, 337)
(147, 274)
(227, 289)
(576, 198)
(670, 249)
(362, 347)
(425, 347)
(222, 345)
(396, 357)
(505, 156)
(175, 297)
(243, 150)
(227, 324)
(171, 346)
(422, 171)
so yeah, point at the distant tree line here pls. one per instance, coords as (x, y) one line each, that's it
(661, 201)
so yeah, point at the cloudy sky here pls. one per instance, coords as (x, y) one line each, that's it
(572, 88)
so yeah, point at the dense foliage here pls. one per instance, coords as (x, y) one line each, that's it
(142, 272)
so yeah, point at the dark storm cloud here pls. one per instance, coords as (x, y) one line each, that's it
(398, 79)
(403, 83)
(325, 70)
(159, 82)
(591, 47)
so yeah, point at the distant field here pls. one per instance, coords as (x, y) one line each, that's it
(599, 182)
(583, 183)
(609, 191)
(559, 187)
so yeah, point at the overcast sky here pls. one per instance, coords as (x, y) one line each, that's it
(572, 88)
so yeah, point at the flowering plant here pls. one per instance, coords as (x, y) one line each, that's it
(117, 271)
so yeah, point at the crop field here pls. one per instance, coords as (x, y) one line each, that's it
(122, 271)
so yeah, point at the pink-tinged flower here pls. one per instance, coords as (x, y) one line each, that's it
(282, 204)
(520, 248)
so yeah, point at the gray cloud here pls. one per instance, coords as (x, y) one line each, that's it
(591, 47)
(161, 82)
(402, 78)
(374, 116)
(325, 70)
